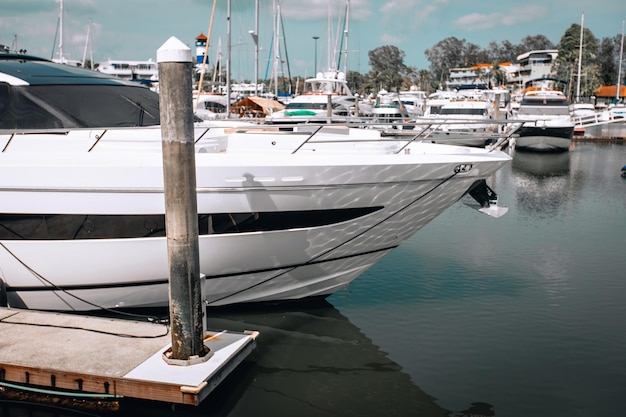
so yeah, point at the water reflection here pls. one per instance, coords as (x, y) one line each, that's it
(310, 360)
(541, 180)
(542, 164)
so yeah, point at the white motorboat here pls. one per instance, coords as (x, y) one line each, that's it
(389, 112)
(462, 121)
(312, 106)
(548, 125)
(143, 71)
(210, 106)
(282, 215)
(414, 100)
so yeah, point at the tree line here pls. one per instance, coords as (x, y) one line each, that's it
(600, 61)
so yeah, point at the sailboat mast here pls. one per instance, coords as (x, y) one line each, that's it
(256, 48)
(580, 57)
(345, 61)
(88, 42)
(331, 58)
(61, 31)
(228, 57)
(276, 43)
(619, 71)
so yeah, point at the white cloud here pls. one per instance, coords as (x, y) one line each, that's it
(479, 21)
(399, 6)
(319, 9)
(391, 39)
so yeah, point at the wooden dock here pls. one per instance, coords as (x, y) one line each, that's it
(101, 358)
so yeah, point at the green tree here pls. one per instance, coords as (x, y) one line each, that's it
(566, 65)
(445, 54)
(424, 77)
(474, 54)
(388, 67)
(503, 52)
(608, 60)
(410, 78)
(536, 43)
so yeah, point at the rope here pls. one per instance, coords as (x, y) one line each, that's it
(56, 288)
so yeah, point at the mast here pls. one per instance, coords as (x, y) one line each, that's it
(255, 38)
(228, 61)
(331, 58)
(61, 31)
(206, 55)
(88, 42)
(580, 57)
(276, 43)
(619, 71)
(345, 61)
(217, 70)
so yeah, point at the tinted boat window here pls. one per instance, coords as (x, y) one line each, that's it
(74, 106)
(76, 226)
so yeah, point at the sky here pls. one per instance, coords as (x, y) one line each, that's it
(135, 29)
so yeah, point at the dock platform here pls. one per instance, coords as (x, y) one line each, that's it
(93, 357)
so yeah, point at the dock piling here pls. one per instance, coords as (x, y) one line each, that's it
(181, 219)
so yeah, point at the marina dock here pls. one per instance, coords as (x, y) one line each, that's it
(72, 356)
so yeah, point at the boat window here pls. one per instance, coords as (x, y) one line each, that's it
(464, 112)
(73, 226)
(543, 110)
(306, 105)
(74, 106)
(214, 107)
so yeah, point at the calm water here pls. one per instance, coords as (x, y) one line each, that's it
(517, 316)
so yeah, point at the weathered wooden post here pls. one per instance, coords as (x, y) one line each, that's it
(496, 112)
(329, 108)
(181, 215)
(496, 106)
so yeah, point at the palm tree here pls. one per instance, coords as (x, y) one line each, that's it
(498, 74)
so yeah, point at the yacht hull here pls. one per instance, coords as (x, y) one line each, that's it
(391, 196)
(546, 139)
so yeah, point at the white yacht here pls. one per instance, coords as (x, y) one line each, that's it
(414, 101)
(548, 126)
(142, 71)
(282, 215)
(312, 106)
(389, 112)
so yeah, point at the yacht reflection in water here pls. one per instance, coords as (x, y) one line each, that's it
(541, 180)
(314, 362)
(310, 360)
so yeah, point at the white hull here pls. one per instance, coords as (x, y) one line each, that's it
(463, 138)
(407, 191)
(546, 136)
(543, 143)
(550, 128)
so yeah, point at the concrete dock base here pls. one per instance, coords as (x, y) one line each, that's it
(76, 356)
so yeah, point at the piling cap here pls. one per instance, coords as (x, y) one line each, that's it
(173, 50)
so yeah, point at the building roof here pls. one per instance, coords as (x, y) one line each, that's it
(552, 52)
(609, 91)
(257, 104)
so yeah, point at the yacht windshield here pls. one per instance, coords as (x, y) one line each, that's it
(55, 106)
